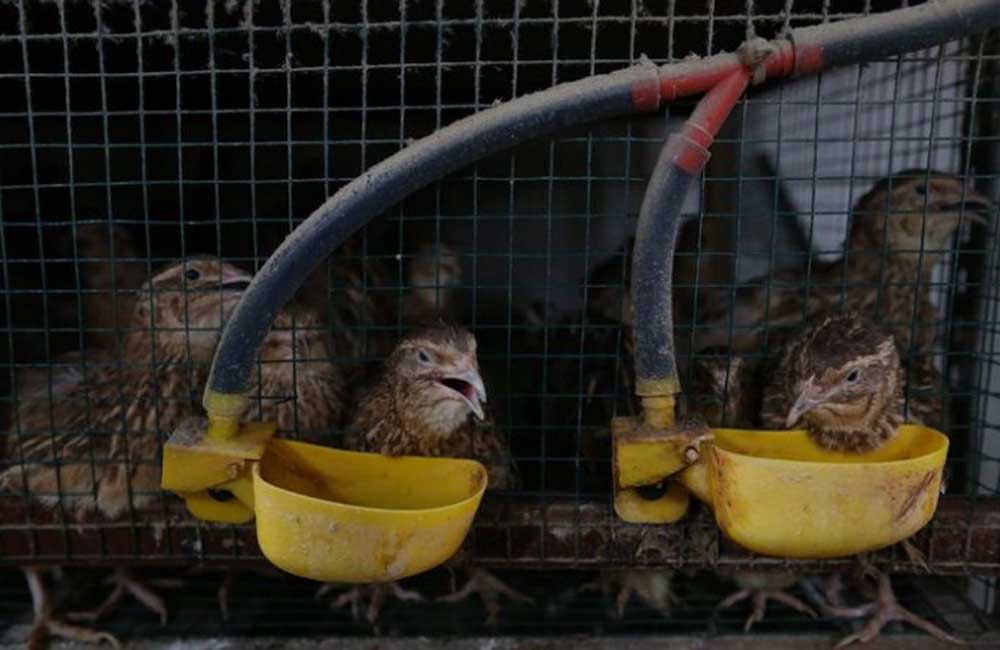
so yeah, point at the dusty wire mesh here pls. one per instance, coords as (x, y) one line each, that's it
(136, 133)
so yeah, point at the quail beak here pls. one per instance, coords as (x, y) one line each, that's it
(976, 208)
(470, 386)
(808, 399)
(235, 281)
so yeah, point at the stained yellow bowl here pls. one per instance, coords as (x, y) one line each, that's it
(778, 493)
(342, 516)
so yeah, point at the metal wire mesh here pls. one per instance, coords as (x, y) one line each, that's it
(132, 134)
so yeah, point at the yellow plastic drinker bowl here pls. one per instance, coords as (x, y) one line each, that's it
(778, 493)
(342, 516)
(323, 513)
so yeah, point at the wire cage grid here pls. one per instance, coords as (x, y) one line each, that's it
(171, 132)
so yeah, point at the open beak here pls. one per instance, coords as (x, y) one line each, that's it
(470, 386)
(236, 285)
(235, 279)
(976, 208)
(808, 399)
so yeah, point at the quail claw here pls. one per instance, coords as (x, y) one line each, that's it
(884, 610)
(46, 625)
(490, 588)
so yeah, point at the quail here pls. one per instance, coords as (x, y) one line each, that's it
(434, 279)
(653, 588)
(99, 450)
(431, 401)
(297, 385)
(723, 390)
(842, 380)
(900, 229)
(353, 295)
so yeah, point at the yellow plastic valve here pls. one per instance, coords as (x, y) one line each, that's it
(645, 455)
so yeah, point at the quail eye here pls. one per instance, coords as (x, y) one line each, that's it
(921, 190)
(853, 376)
(423, 356)
(192, 275)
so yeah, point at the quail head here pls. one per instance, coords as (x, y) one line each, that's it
(434, 277)
(428, 398)
(181, 310)
(899, 231)
(913, 215)
(841, 379)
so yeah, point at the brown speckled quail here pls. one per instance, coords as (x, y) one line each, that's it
(897, 236)
(99, 450)
(434, 279)
(724, 391)
(431, 401)
(298, 385)
(352, 294)
(842, 380)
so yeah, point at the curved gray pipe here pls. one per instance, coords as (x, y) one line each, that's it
(600, 97)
